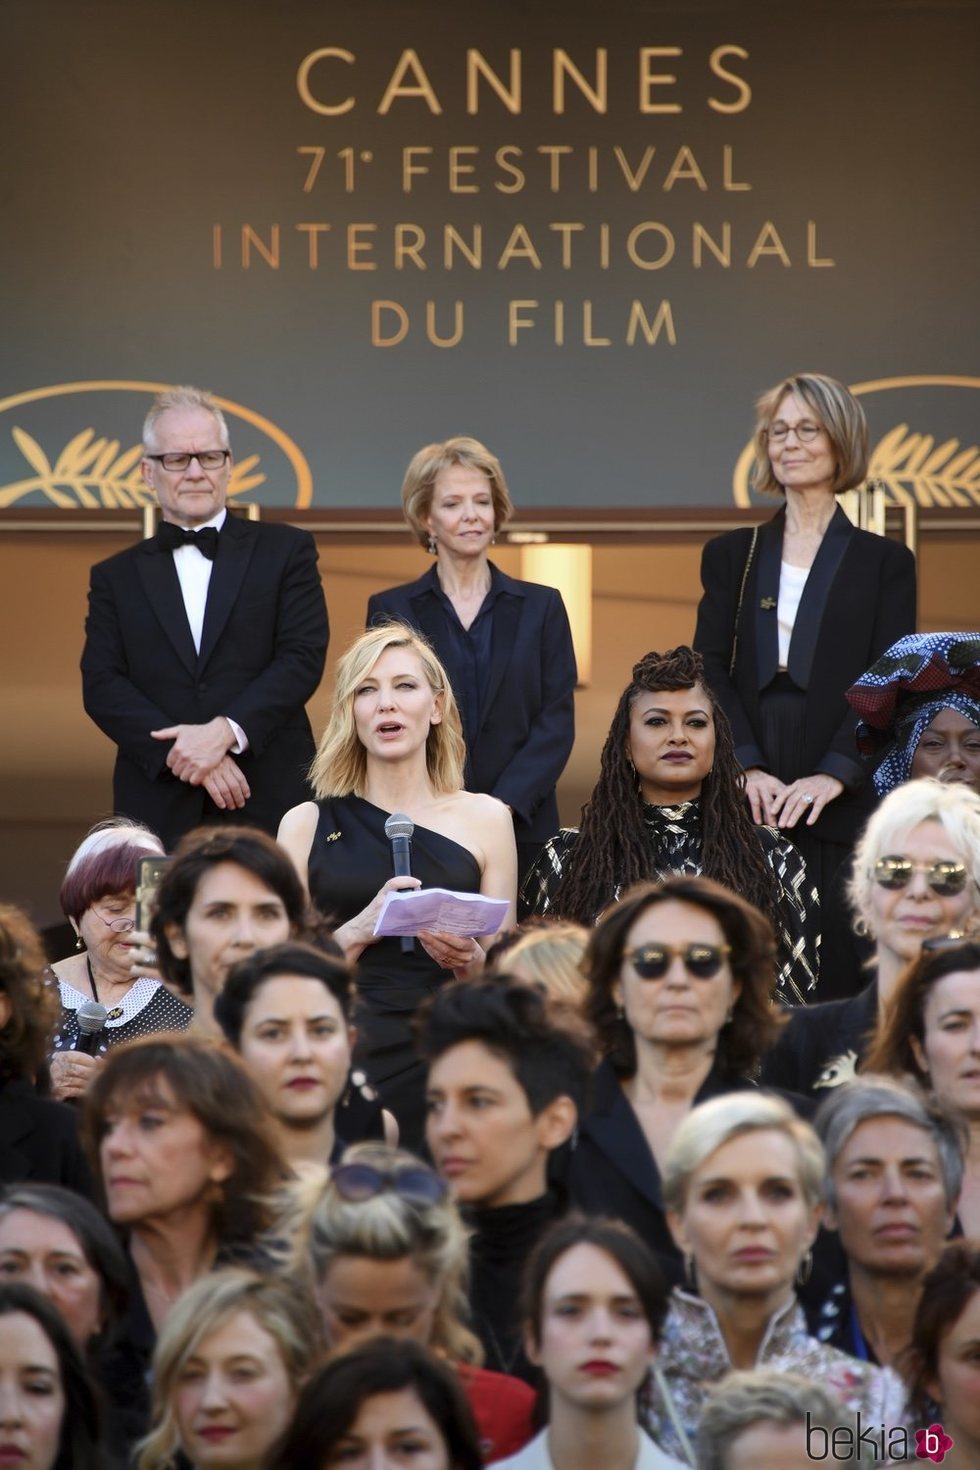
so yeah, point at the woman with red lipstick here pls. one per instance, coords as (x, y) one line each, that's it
(98, 897)
(794, 611)
(916, 877)
(388, 1254)
(743, 1182)
(594, 1308)
(49, 1412)
(670, 799)
(394, 745)
(227, 1371)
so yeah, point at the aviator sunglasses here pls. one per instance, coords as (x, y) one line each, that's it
(652, 961)
(944, 878)
(359, 1182)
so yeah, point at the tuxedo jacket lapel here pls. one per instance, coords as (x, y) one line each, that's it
(160, 582)
(765, 595)
(235, 547)
(816, 597)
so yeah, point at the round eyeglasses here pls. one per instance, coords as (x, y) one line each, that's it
(118, 926)
(805, 431)
(703, 961)
(946, 879)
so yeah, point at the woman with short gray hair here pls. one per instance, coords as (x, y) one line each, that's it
(754, 1420)
(743, 1182)
(895, 1170)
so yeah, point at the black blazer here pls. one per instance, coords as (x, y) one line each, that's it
(39, 1140)
(823, 1047)
(858, 599)
(262, 654)
(528, 722)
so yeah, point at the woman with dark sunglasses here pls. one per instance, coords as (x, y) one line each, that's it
(388, 1254)
(931, 1031)
(916, 877)
(680, 979)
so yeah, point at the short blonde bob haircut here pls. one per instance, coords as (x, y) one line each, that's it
(551, 958)
(955, 808)
(716, 1122)
(420, 480)
(390, 1227)
(280, 1307)
(836, 409)
(340, 765)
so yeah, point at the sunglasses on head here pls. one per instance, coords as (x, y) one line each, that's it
(944, 878)
(359, 1182)
(652, 961)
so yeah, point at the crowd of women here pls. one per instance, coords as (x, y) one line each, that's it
(642, 1180)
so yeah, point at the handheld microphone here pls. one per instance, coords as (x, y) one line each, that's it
(91, 1018)
(398, 830)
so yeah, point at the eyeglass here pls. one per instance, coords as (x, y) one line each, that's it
(359, 1182)
(208, 459)
(806, 432)
(652, 961)
(118, 926)
(944, 878)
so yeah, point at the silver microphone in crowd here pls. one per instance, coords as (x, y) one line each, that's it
(91, 1017)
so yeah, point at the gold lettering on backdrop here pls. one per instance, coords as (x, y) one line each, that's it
(728, 181)
(326, 109)
(668, 245)
(502, 159)
(430, 325)
(519, 247)
(452, 239)
(722, 253)
(768, 243)
(553, 152)
(562, 65)
(650, 79)
(457, 168)
(320, 88)
(715, 63)
(517, 321)
(565, 231)
(510, 94)
(269, 253)
(409, 240)
(663, 321)
(397, 88)
(356, 248)
(411, 169)
(812, 259)
(634, 181)
(685, 166)
(314, 230)
(216, 247)
(378, 310)
(588, 340)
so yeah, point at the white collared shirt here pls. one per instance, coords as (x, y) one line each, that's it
(194, 575)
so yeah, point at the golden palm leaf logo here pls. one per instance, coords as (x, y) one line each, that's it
(75, 468)
(911, 467)
(92, 474)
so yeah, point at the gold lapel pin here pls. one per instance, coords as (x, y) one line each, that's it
(767, 604)
(333, 837)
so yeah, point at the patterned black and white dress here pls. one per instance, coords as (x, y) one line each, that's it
(675, 847)
(146, 1008)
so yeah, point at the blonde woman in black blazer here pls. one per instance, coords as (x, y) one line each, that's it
(795, 610)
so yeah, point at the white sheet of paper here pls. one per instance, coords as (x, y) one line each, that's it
(466, 914)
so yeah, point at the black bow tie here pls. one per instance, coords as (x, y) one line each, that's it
(206, 541)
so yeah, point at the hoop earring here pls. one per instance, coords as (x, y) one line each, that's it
(805, 1269)
(432, 548)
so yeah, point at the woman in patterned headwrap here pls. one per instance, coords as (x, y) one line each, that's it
(919, 707)
(670, 799)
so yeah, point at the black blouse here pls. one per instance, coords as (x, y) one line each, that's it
(675, 847)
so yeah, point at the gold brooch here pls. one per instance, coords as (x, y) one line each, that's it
(333, 837)
(767, 604)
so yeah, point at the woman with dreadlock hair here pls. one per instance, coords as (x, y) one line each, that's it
(670, 799)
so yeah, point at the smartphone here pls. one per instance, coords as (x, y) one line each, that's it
(149, 872)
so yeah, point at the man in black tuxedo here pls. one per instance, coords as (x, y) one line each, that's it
(203, 644)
